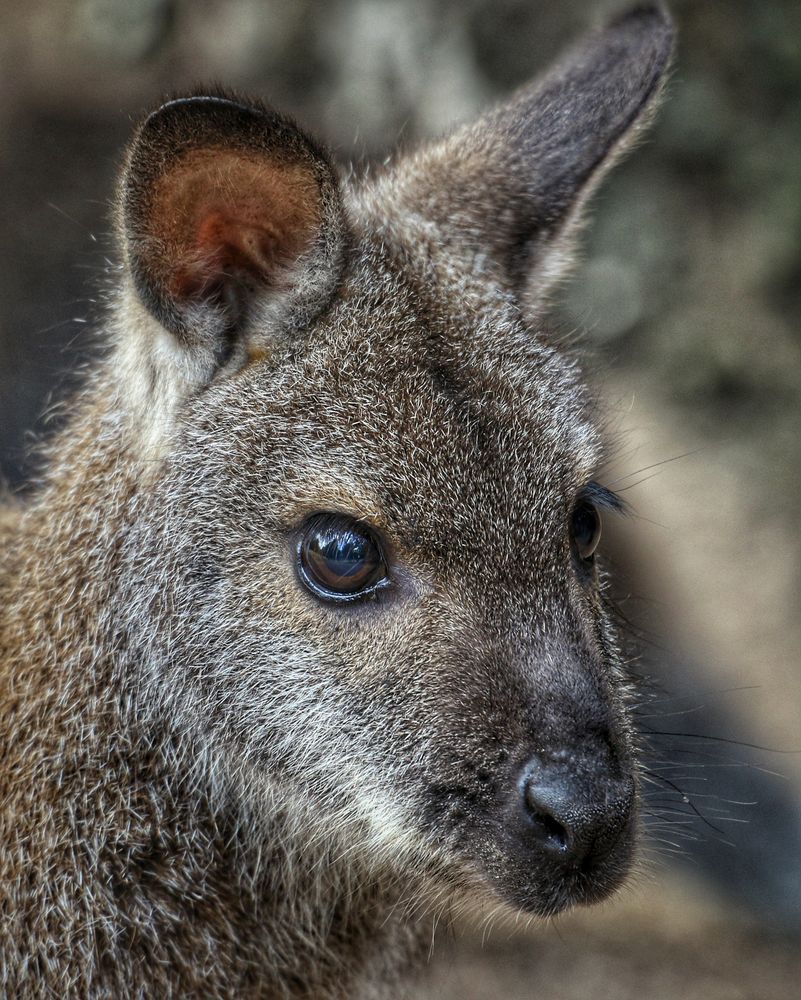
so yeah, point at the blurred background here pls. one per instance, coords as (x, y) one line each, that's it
(689, 299)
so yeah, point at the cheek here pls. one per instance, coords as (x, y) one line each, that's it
(361, 641)
(264, 593)
(341, 651)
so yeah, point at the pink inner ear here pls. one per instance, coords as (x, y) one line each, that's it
(227, 247)
(227, 216)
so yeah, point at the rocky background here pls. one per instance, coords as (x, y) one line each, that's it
(690, 303)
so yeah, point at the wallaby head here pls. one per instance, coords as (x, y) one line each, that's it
(364, 566)
(345, 529)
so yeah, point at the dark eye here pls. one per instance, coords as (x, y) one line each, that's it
(585, 528)
(340, 558)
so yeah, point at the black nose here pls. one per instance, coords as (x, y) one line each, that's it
(576, 812)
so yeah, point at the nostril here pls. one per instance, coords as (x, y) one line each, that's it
(552, 831)
(549, 831)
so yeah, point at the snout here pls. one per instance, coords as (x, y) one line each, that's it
(565, 828)
(576, 812)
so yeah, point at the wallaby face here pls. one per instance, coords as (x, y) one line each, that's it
(359, 573)
(384, 546)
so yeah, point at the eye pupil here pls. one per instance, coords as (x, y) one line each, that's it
(586, 528)
(340, 558)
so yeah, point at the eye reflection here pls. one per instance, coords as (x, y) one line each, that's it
(340, 558)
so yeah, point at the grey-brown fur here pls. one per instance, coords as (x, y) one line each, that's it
(212, 783)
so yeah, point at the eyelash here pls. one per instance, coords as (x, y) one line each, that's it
(603, 498)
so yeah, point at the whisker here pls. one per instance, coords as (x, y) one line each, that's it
(655, 465)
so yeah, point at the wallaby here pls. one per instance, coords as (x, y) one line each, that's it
(303, 637)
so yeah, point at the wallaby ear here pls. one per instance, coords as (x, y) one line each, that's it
(502, 197)
(230, 217)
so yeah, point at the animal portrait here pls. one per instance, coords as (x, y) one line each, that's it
(309, 637)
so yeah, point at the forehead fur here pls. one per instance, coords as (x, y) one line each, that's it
(401, 399)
